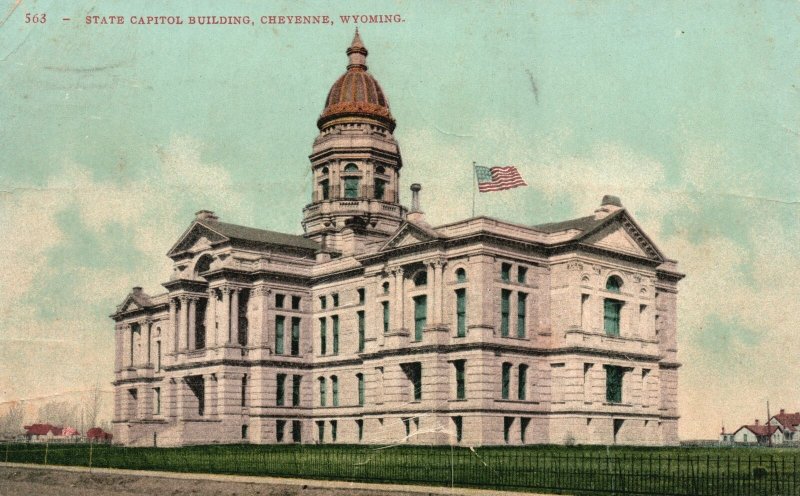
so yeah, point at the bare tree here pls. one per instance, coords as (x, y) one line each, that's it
(11, 421)
(58, 413)
(91, 408)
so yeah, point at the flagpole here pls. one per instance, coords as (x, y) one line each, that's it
(474, 187)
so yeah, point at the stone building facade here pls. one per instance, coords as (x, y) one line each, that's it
(375, 327)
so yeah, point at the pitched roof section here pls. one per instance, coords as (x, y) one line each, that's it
(585, 224)
(789, 421)
(221, 232)
(410, 233)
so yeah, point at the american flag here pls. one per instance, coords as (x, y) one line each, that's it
(498, 178)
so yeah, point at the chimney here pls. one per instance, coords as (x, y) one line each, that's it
(783, 411)
(608, 206)
(137, 289)
(757, 422)
(416, 215)
(205, 215)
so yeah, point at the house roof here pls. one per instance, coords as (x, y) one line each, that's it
(244, 233)
(38, 429)
(584, 224)
(789, 421)
(761, 430)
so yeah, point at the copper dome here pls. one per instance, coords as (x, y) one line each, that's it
(356, 93)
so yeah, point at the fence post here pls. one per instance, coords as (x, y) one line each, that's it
(6, 453)
(90, 457)
(46, 445)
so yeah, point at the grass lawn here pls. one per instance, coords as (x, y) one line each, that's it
(571, 470)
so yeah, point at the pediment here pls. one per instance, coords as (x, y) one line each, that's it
(129, 305)
(409, 234)
(196, 239)
(625, 236)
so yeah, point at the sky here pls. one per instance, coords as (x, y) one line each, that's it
(112, 136)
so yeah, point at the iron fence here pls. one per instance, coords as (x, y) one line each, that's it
(579, 471)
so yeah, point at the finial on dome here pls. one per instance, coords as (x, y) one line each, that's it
(357, 53)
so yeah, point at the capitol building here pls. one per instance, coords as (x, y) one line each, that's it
(376, 327)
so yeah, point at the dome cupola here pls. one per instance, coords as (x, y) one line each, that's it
(356, 94)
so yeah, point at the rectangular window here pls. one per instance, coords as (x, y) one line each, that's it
(380, 189)
(244, 431)
(522, 383)
(407, 424)
(321, 431)
(323, 302)
(523, 428)
(360, 378)
(334, 425)
(295, 336)
(461, 312)
(414, 373)
(295, 303)
(335, 321)
(279, 299)
(420, 315)
(323, 336)
(611, 313)
(505, 309)
(522, 273)
(243, 392)
(156, 401)
(322, 391)
(362, 296)
(296, 433)
(158, 356)
(458, 422)
(385, 306)
(505, 272)
(335, 298)
(521, 304)
(461, 386)
(507, 423)
(280, 427)
(296, 381)
(351, 187)
(505, 381)
(325, 188)
(280, 390)
(614, 376)
(360, 428)
(361, 330)
(279, 324)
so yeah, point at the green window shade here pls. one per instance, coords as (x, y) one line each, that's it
(416, 379)
(335, 390)
(360, 378)
(334, 425)
(614, 377)
(611, 312)
(322, 391)
(361, 331)
(613, 284)
(323, 336)
(505, 309)
(335, 320)
(420, 315)
(521, 301)
(296, 433)
(507, 423)
(296, 389)
(295, 336)
(351, 187)
(506, 380)
(505, 272)
(385, 305)
(280, 393)
(380, 189)
(279, 324)
(321, 430)
(461, 312)
(522, 384)
(461, 275)
(280, 427)
(360, 425)
(461, 387)
(521, 274)
(459, 423)
(362, 296)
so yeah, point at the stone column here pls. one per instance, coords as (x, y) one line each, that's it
(228, 391)
(224, 318)
(127, 343)
(173, 323)
(181, 392)
(118, 346)
(234, 335)
(147, 328)
(191, 334)
(184, 323)
(260, 328)
(210, 388)
(438, 288)
(399, 291)
(211, 318)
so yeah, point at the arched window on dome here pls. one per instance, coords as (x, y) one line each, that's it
(351, 182)
(461, 275)
(324, 189)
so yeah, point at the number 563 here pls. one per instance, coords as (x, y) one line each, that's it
(35, 18)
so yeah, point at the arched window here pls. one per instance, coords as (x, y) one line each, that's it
(380, 169)
(325, 171)
(360, 378)
(203, 265)
(386, 288)
(322, 391)
(505, 383)
(614, 284)
(612, 308)
(351, 168)
(335, 390)
(461, 275)
(421, 278)
(324, 189)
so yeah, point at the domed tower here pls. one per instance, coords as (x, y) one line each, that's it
(355, 162)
